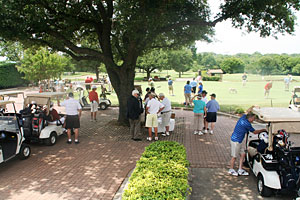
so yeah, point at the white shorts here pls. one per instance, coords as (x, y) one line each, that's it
(165, 118)
(236, 149)
(151, 120)
(94, 106)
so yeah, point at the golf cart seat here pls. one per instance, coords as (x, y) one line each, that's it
(59, 122)
(254, 143)
(297, 100)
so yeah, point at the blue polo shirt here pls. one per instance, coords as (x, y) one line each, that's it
(187, 89)
(212, 106)
(200, 89)
(241, 128)
(170, 82)
(194, 84)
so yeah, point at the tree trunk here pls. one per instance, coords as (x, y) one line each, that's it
(97, 73)
(122, 80)
(179, 74)
(148, 74)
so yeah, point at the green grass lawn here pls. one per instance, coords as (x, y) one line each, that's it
(251, 94)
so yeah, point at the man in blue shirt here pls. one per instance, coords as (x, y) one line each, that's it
(187, 93)
(241, 128)
(170, 84)
(212, 109)
(194, 86)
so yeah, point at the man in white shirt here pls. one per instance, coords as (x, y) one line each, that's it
(73, 110)
(153, 108)
(204, 98)
(165, 113)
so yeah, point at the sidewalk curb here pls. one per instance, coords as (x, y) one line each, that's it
(119, 193)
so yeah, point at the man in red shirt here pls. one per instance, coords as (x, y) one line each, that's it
(268, 87)
(53, 115)
(88, 80)
(93, 96)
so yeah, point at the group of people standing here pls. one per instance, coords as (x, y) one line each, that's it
(153, 108)
(205, 112)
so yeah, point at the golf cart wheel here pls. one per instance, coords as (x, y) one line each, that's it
(24, 152)
(52, 139)
(103, 106)
(263, 190)
(79, 89)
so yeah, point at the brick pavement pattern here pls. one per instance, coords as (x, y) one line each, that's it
(95, 168)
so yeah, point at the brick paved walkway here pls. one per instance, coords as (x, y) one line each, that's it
(96, 167)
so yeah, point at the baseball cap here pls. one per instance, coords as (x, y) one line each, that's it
(213, 95)
(94, 87)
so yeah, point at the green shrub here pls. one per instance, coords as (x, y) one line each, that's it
(139, 78)
(239, 111)
(211, 78)
(161, 173)
(9, 76)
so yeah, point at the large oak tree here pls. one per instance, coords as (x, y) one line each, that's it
(118, 31)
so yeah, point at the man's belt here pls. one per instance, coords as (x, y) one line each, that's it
(165, 112)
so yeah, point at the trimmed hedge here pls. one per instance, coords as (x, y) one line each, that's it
(161, 173)
(9, 76)
(211, 78)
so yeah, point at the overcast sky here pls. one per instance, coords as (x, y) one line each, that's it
(229, 40)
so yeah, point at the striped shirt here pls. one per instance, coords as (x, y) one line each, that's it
(241, 128)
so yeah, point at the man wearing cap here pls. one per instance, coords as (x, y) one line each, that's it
(73, 110)
(204, 98)
(153, 108)
(170, 84)
(134, 111)
(93, 96)
(212, 109)
(236, 142)
(165, 113)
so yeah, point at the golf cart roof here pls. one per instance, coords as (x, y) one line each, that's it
(5, 102)
(47, 94)
(275, 114)
(279, 118)
(297, 89)
(11, 93)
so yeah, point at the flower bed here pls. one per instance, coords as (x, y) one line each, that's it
(161, 173)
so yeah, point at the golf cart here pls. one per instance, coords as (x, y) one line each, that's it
(104, 102)
(277, 167)
(36, 126)
(295, 101)
(11, 136)
(6, 95)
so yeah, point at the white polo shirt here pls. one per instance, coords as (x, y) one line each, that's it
(153, 106)
(167, 104)
(204, 99)
(72, 106)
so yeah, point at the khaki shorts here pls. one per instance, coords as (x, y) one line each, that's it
(171, 87)
(236, 149)
(94, 106)
(252, 151)
(165, 118)
(151, 120)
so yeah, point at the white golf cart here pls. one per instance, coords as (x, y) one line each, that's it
(36, 127)
(6, 95)
(12, 141)
(278, 167)
(295, 101)
(104, 102)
